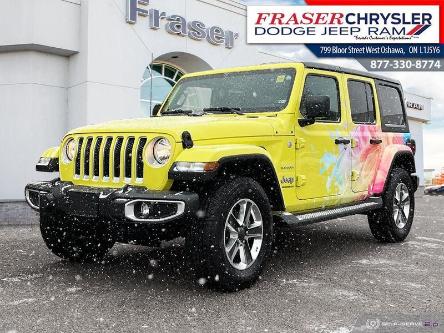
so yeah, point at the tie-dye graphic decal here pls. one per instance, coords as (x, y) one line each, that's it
(365, 156)
(372, 162)
(389, 153)
(335, 166)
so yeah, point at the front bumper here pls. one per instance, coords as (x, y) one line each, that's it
(122, 205)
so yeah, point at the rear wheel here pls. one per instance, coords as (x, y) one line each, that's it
(233, 242)
(74, 238)
(393, 222)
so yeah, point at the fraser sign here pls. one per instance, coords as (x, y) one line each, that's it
(178, 25)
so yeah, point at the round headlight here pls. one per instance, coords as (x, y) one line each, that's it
(159, 151)
(162, 151)
(70, 150)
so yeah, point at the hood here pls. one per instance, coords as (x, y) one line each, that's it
(204, 127)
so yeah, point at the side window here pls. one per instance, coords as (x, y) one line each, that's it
(316, 85)
(362, 103)
(391, 107)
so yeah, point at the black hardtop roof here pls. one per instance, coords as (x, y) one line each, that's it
(317, 65)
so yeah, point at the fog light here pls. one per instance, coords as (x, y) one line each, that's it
(33, 199)
(144, 210)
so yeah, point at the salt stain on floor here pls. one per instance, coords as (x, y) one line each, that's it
(425, 245)
(325, 329)
(73, 289)
(434, 256)
(430, 239)
(22, 278)
(22, 301)
(11, 279)
(389, 264)
(301, 283)
(411, 285)
(327, 289)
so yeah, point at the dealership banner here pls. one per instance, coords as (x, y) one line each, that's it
(381, 37)
(342, 24)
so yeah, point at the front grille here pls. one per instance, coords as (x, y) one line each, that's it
(108, 158)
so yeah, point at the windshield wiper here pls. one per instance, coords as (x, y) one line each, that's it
(224, 109)
(176, 111)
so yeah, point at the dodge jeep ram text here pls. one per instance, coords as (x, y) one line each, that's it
(230, 155)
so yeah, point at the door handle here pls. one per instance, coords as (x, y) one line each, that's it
(342, 141)
(374, 141)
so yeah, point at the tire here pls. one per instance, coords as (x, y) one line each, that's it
(74, 238)
(250, 245)
(393, 222)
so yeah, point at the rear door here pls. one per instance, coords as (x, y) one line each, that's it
(365, 131)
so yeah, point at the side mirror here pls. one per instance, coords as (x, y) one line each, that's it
(315, 107)
(156, 109)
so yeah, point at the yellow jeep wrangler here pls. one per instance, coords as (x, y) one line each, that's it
(230, 155)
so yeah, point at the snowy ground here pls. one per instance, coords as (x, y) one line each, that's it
(322, 278)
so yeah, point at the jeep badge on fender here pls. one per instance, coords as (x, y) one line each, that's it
(230, 156)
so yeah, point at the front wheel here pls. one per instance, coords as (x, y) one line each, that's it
(393, 222)
(234, 240)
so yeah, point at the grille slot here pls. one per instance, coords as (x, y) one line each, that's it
(97, 156)
(117, 150)
(139, 160)
(128, 157)
(106, 155)
(78, 157)
(87, 158)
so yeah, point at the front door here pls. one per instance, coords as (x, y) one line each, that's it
(365, 132)
(323, 148)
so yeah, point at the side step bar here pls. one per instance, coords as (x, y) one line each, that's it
(333, 213)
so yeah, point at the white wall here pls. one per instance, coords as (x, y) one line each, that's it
(416, 129)
(40, 24)
(417, 119)
(116, 53)
(32, 115)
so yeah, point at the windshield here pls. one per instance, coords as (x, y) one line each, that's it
(254, 91)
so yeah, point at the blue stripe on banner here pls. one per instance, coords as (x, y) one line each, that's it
(420, 31)
(377, 50)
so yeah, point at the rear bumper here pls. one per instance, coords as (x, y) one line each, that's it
(120, 205)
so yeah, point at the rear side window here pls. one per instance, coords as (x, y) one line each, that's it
(391, 106)
(317, 85)
(362, 103)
